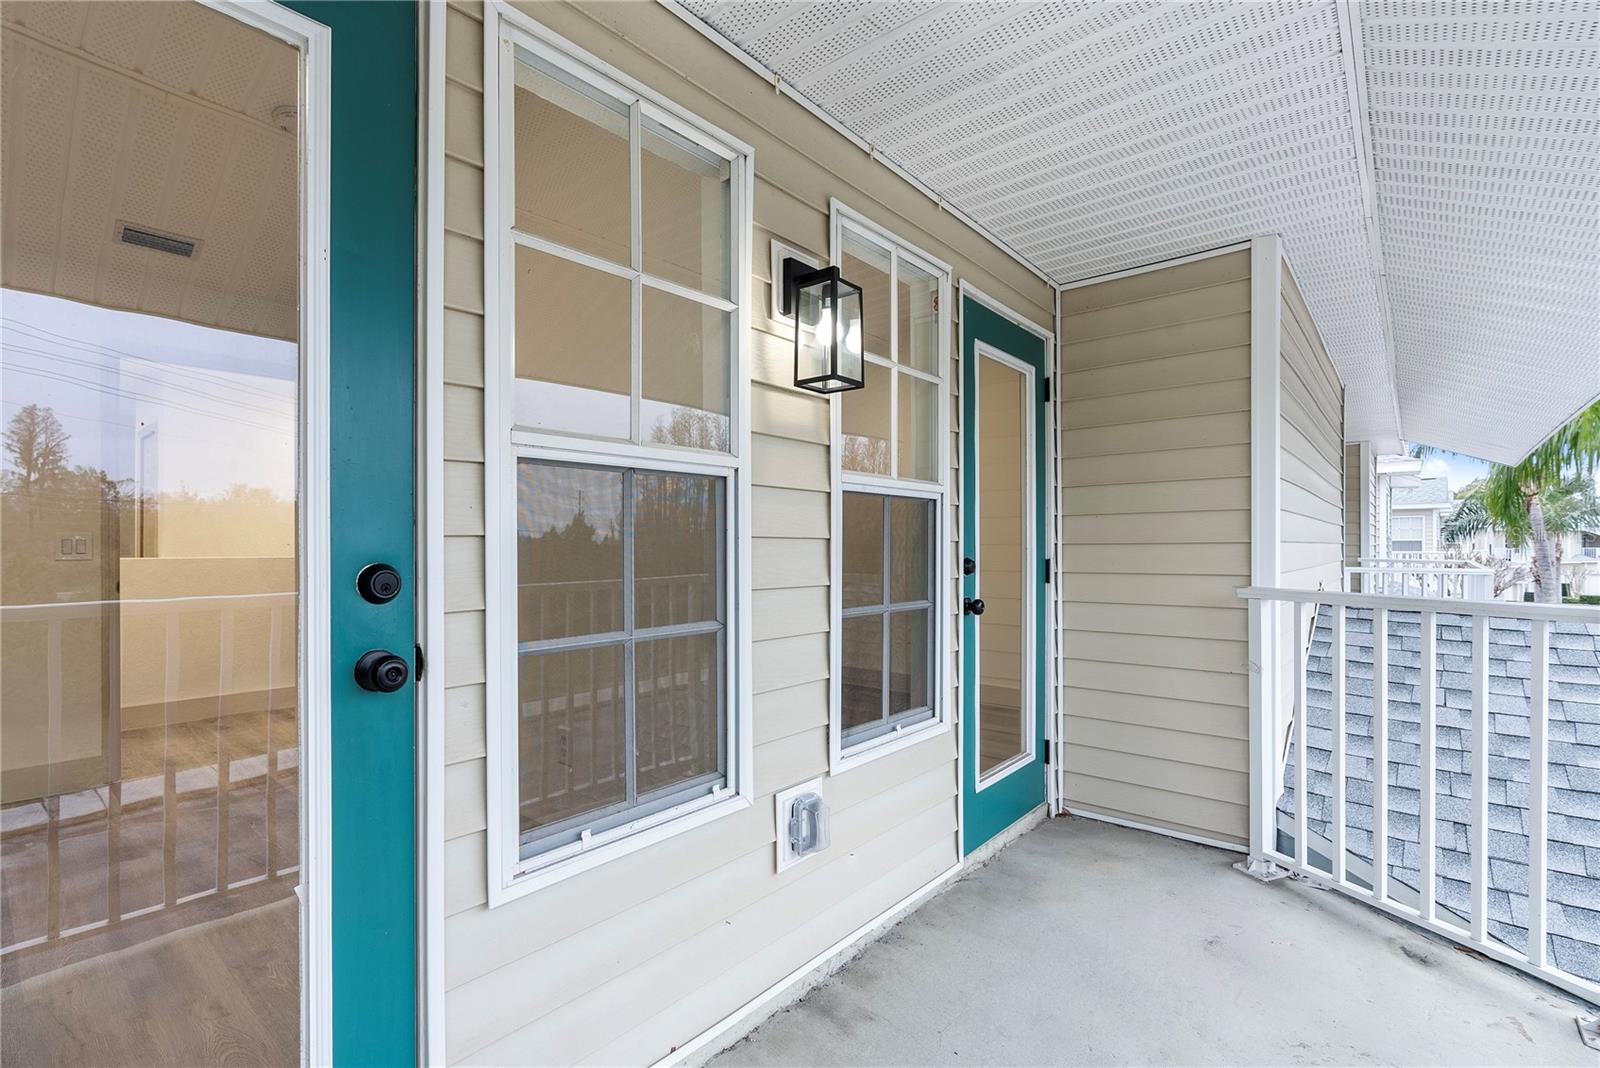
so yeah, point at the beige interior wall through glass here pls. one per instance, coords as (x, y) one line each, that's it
(1003, 414)
(149, 366)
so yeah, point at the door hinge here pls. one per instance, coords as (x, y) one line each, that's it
(1047, 569)
(421, 663)
(1047, 751)
(1047, 389)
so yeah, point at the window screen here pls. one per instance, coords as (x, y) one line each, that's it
(621, 645)
(887, 676)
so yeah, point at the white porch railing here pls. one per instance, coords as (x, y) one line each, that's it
(1401, 728)
(1411, 576)
(97, 843)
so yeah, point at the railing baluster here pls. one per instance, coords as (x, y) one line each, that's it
(272, 752)
(169, 773)
(224, 769)
(52, 669)
(1380, 753)
(1337, 750)
(1429, 699)
(1301, 714)
(1480, 777)
(113, 851)
(1538, 793)
(52, 867)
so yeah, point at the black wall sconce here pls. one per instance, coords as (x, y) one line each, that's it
(828, 329)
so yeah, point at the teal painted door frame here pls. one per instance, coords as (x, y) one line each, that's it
(1005, 800)
(372, 505)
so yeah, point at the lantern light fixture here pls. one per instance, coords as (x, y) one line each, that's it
(828, 330)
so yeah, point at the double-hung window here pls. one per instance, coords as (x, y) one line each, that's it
(1406, 534)
(618, 248)
(891, 447)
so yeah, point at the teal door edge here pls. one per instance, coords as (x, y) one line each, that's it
(1001, 803)
(372, 398)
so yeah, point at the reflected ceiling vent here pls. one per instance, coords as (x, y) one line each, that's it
(144, 237)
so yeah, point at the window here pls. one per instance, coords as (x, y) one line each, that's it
(1405, 534)
(621, 639)
(617, 313)
(890, 439)
(888, 624)
(623, 284)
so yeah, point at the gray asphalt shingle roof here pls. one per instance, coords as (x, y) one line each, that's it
(1426, 491)
(1573, 775)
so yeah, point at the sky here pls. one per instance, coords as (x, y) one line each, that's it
(222, 404)
(1459, 469)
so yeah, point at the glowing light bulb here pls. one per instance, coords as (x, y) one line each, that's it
(824, 328)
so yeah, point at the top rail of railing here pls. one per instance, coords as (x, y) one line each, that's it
(1554, 613)
(1421, 563)
(70, 609)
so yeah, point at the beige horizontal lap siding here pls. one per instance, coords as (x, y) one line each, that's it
(1311, 443)
(630, 959)
(1155, 529)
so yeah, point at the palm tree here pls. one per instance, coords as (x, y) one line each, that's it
(1548, 494)
(1497, 502)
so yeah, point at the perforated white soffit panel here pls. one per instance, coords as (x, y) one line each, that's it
(1093, 137)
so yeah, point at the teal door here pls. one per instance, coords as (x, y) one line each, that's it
(1003, 544)
(372, 404)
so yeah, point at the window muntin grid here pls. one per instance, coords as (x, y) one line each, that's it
(617, 280)
(618, 570)
(890, 553)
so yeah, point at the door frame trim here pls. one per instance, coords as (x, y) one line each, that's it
(981, 781)
(314, 41)
(431, 64)
(1055, 711)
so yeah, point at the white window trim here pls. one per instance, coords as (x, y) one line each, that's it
(840, 757)
(510, 876)
(983, 350)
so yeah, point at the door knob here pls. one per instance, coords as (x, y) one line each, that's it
(381, 671)
(973, 606)
(378, 583)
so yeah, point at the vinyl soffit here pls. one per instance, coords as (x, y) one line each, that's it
(1092, 138)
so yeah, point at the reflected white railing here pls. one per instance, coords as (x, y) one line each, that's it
(1413, 576)
(121, 810)
(576, 724)
(1431, 632)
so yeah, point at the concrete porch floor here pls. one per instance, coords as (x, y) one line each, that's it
(1086, 943)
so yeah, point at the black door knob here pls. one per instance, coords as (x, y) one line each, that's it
(973, 606)
(378, 583)
(381, 671)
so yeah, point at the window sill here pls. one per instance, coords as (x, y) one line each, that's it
(538, 872)
(865, 752)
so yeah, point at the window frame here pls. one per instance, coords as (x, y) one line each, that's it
(843, 756)
(506, 32)
(1422, 533)
(885, 609)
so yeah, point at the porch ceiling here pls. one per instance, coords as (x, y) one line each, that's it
(1446, 239)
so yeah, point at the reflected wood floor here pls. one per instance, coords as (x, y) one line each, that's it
(999, 734)
(198, 964)
(225, 992)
